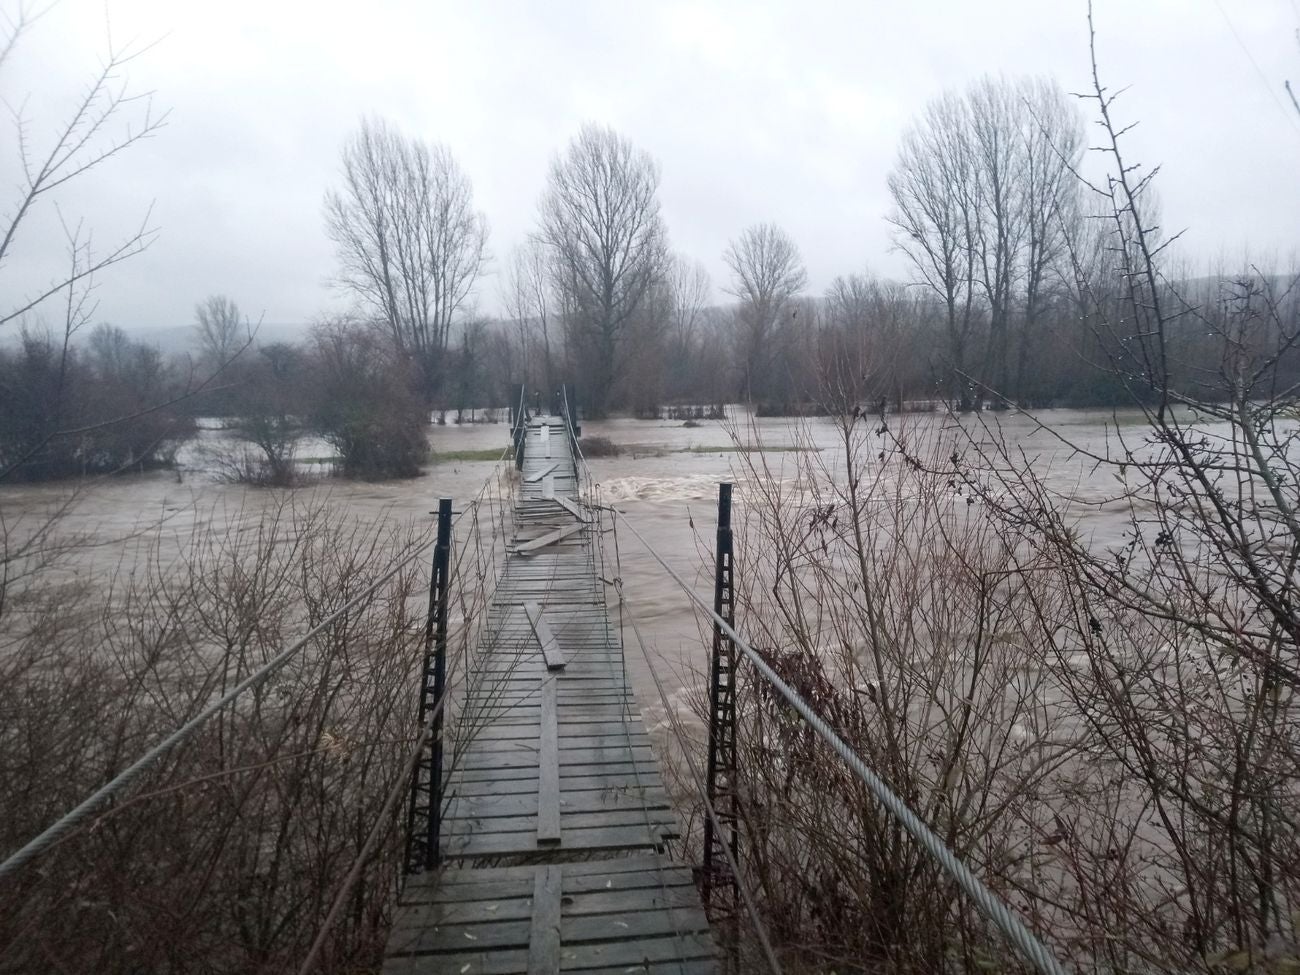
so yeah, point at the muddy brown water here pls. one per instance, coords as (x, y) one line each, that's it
(665, 483)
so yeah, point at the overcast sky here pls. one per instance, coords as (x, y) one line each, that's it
(756, 112)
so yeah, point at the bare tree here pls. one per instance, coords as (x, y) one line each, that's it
(108, 118)
(410, 243)
(932, 186)
(1052, 144)
(218, 328)
(865, 358)
(767, 273)
(689, 291)
(849, 301)
(982, 190)
(526, 295)
(600, 220)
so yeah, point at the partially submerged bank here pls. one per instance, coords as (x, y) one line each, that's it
(1106, 733)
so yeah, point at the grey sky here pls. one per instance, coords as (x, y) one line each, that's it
(786, 112)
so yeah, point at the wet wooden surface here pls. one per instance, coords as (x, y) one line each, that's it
(556, 813)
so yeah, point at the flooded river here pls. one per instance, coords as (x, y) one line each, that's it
(664, 481)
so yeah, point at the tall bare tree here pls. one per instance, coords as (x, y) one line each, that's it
(932, 186)
(1052, 145)
(982, 191)
(600, 220)
(218, 326)
(767, 273)
(410, 243)
(526, 296)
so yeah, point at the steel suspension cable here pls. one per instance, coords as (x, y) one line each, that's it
(751, 908)
(742, 885)
(993, 907)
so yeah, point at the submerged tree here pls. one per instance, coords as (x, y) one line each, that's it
(600, 220)
(365, 405)
(767, 273)
(410, 243)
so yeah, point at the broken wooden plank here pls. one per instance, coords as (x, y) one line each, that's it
(550, 538)
(568, 505)
(548, 769)
(548, 487)
(551, 651)
(536, 476)
(544, 936)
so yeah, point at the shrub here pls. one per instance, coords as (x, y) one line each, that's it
(65, 413)
(599, 447)
(226, 854)
(367, 406)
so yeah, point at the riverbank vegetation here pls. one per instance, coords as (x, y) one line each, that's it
(1107, 733)
(224, 856)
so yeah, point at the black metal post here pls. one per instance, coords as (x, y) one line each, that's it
(519, 424)
(571, 401)
(721, 782)
(424, 821)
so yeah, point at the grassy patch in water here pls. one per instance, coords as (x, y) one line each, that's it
(734, 449)
(488, 453)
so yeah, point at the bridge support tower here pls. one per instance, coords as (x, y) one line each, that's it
(424, 818)
(719, 883)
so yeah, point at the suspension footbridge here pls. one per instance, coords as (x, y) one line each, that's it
(539, 834)
(558, 779)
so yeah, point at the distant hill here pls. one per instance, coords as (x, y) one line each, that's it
(173, 339)
(179, 339)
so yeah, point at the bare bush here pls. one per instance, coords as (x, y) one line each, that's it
(895, 609)
(599, 447)
(366, 403)
(225, 856)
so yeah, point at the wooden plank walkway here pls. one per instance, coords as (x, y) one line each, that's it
(556, 811)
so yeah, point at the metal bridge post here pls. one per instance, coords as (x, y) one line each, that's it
(424, 822)
(519, 425)
(721, 782)
(571, 410)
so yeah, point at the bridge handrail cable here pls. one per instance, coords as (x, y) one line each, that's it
(1030, 947)
(593, 491)
(74, 817)
(742, 885)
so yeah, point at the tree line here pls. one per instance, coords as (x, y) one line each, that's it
(1010, 268)
(1010, 272)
